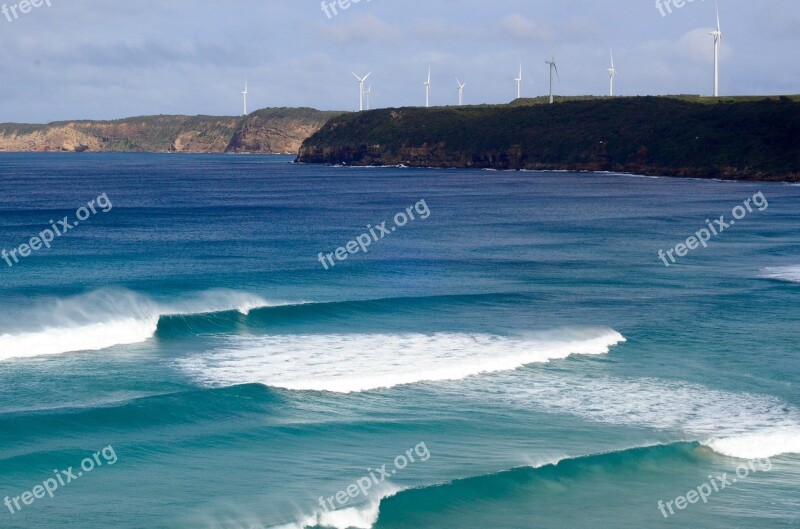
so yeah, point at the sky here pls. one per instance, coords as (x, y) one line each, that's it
(109, 59)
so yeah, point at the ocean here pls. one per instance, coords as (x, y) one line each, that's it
(211, 344)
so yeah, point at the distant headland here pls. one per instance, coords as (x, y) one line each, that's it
(267, 131)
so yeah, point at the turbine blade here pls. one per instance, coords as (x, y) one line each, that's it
(365, 77)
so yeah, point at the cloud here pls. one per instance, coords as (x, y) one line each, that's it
(435, 30)
(583, 29)
(522, 28)
(698, 46)
(358, 28)
(104, 59)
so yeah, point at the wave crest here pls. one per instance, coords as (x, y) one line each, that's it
(758, 445)
(783, 273)
(360, 517)
(350, 363)
(108, 317)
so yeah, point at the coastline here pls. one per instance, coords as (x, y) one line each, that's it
(651, 136)
(685, 173)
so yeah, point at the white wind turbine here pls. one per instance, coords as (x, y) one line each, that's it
(553, 67)
(519, 82)
(244, 95)
(717, 40)
(460, 92)
(361, 90)
(428, 90)
(368, 93)
(613, 73)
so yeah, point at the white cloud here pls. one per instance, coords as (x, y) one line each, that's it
(357, 28)
(522, 28)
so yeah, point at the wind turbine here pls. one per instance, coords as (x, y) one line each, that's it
(244, 95)
(368, 93)
(428, 89)
(553, 67)
(460, 92)
(717, 40)
(361, 90)
(613, 73)
(519, 82)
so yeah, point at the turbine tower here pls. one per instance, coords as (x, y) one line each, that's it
(613, 73)
(368, 93)
(361, 90)
(244, 95)
(519, 82)
(717, 40)
(428, 89)
(553, 67)
(460, 92)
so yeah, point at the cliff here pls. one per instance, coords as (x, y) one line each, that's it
(277, 130)
(745, 138)
(265, 131)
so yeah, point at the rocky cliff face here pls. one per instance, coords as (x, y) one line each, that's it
(277, 130)
(48, 139)
(267, 131)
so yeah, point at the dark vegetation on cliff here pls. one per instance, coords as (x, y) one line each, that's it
(740, 138)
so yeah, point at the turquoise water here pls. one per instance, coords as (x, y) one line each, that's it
(523, 343)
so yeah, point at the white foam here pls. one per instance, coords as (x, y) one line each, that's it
(106, 318)
(364, 516)
(91, 337)
(784, 273)
(735, 424)
(758, 445)
(359, 362)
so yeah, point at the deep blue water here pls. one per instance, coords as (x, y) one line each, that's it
(522, 342)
